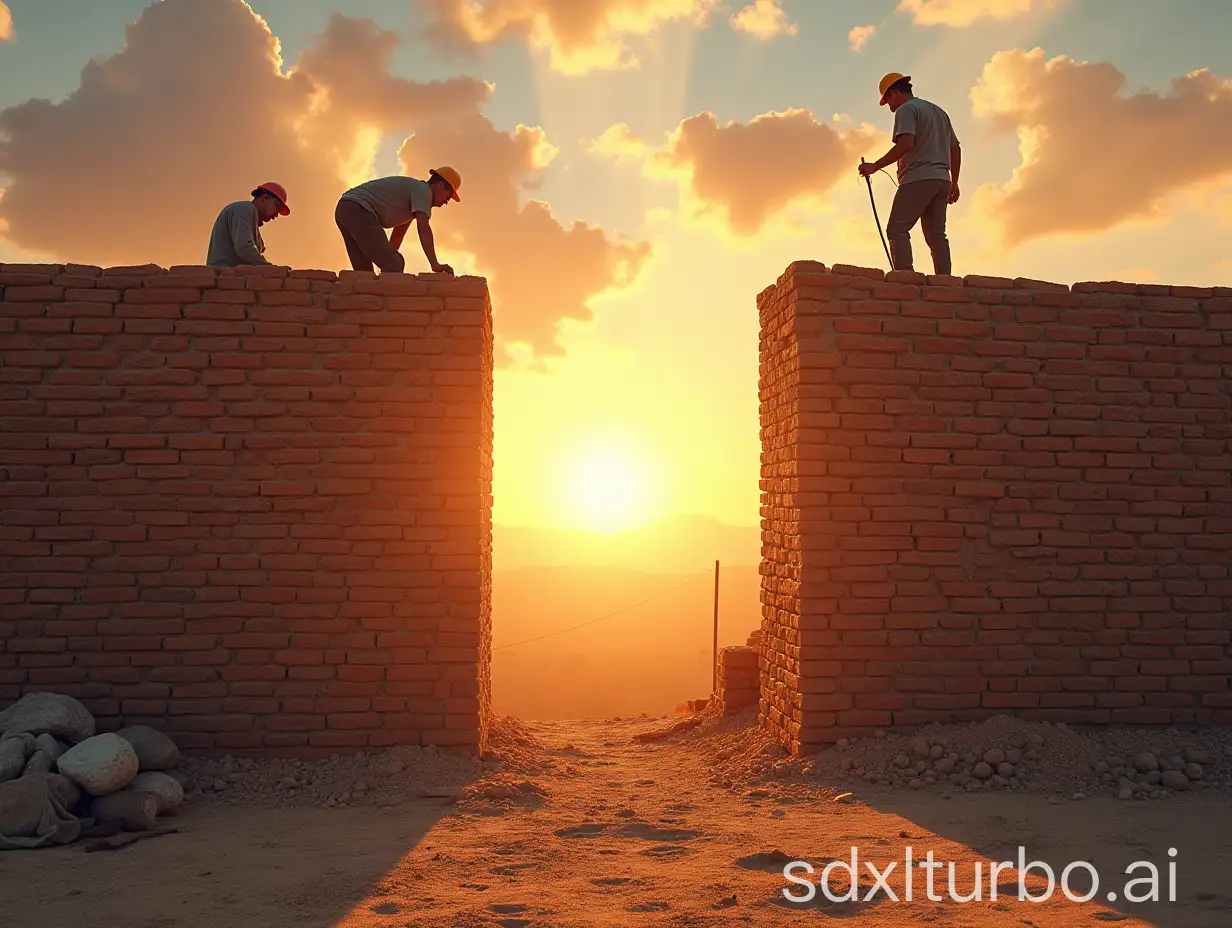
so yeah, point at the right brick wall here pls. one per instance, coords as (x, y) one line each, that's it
(984, 495)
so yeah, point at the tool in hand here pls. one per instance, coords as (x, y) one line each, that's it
(868, 179)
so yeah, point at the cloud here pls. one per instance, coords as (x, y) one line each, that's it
(1092, 158)
(579, 35)
(962, 13)
(134, 165)
(6, 23)
(859, 36)
(544, 272)
(764, 19)
(746, 172)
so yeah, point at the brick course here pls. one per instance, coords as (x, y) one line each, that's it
(983, 495)
(249, 506)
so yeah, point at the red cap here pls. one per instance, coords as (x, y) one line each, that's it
(278, 192)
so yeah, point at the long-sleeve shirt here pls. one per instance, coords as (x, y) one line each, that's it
(236, 237)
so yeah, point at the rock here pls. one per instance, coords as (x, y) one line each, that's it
(917, 783)
(982, 771)
(1175, 780)
(51, 714)
(901, 760)
(945, 765)
(920, 748)
(12, 758)
(1197, 756)
(49, 745)
(1078, 797)
(1125, 793)
(100, 765)
(1146, 762)
(155, 751)
(1036, 740)
(166, 789)
(1005, 770)
(1014, 755)
(137, 810)
(39, 762)
(27, 740)
(1154, 776)
(1193, 771)
(994, 756)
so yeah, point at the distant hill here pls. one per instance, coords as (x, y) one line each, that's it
(646, 659)
(681, 544)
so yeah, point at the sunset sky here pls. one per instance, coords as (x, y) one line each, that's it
(634, 173)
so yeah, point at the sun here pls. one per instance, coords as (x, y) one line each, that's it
(608, 488)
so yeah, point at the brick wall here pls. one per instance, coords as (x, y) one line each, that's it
(737, 683)
(251, 507)
(986, 496)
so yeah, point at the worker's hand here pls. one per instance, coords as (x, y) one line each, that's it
(867, 168)
(443, 269)
(955, 193)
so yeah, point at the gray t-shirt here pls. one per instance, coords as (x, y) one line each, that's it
(236, 237)
(393, 199)
(930, 159)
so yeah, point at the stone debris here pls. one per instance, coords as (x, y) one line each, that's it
(1002, 753)
(60, 780)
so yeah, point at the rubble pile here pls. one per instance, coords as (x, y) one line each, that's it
(60, 781)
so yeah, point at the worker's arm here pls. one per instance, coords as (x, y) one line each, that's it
(242, 226)
(902, 145)
(429, 245)
(398, 234)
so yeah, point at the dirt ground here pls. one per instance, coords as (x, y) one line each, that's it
(607, 830)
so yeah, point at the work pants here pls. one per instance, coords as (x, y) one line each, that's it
(365, 239)
(922, 201)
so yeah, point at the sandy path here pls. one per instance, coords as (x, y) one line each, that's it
(628, 834)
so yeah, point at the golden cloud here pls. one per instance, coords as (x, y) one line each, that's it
(134, 165)
(579, 36)
(6, 23)
(1092, 158)
(764, 19)
(859, 36)
(962, 13)
(746, 172)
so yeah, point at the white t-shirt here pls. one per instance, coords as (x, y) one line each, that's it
(393, 199)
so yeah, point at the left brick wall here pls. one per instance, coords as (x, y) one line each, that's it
(252, 506)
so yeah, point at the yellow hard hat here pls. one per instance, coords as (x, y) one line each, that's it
(452, 178)
(892, 78)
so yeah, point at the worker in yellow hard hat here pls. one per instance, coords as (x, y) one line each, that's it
(365, 212)
(928, 156)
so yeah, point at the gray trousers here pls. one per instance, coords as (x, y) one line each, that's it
(365, 239)
(925, 202)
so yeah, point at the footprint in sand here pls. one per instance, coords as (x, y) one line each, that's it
(612, 881)
(768, 861)
(511, 908)
(648, 832)
(649, 907)
(589, 830)
(385, 908)
(666, 850)
(514, 922)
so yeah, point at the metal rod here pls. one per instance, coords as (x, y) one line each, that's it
(714, 683)
(869, 180)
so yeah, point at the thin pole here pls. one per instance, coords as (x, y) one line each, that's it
(714, 683)
(868, 180)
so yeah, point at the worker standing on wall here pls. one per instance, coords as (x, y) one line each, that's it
(236, 237)
(365, 212)
(927, 152)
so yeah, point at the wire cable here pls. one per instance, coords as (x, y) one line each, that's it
(561, 631)
(873, 200)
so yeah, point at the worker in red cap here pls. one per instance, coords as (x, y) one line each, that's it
(236, 237)
(365, 212)
(929, 158)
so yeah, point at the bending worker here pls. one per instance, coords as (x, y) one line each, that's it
(365, 212)
(236, 237)
(928, 156)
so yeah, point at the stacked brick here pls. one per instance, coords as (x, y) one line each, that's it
(986, 495)
(250, 506)
(738, 676)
